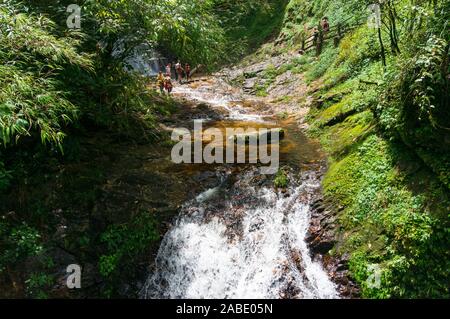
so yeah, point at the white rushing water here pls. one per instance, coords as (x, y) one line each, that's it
(202, 257)
(228, 102)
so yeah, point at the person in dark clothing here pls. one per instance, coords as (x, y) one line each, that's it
(315, 35)
(179, 70)
(325, 25)
(187, 70)
(318, 39)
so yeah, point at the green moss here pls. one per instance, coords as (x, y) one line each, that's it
(393, 211)
(387, 223)
(341, 137)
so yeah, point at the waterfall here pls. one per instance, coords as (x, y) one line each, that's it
(146, 61)
(143, 59)
(241, 241)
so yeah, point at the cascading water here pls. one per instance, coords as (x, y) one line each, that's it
(243, 238)
(142, 59)
(146, 61)
(229, 102)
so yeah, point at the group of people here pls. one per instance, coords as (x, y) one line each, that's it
(164, 80)
(324, 26)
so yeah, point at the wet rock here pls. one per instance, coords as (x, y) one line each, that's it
(207, 179)
(342, 265)
(249, 86)
(322, 245)
(258, 136)
(321, 238)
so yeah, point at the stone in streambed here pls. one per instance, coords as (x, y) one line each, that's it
(258, 136)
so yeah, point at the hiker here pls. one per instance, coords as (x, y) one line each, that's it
(325, 25)
(169, 70)
(318, 39)
(176, 73)
(179, 70)
(315, 35)
(177, 67)
(160, 82)
(187, 70)
(168, 85)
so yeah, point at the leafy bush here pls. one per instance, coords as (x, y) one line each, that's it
(38, 284)
(322, 64)
(247, 24)
(414, 102)
(125, 242)
(31, 60)
(18, 243)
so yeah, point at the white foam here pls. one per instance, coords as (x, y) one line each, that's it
(207, 195)
(206, 94)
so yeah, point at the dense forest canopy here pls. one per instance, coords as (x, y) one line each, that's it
(57, 83)
(36, 35)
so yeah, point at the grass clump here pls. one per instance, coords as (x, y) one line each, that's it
(281, 179)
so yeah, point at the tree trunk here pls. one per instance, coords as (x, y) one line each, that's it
(383, 52)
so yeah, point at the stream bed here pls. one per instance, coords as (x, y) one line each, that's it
(242, 237)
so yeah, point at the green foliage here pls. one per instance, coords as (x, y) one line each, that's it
(281, 179)
(383, 138)
(248, 24)
(415, 104)
(18, 243)
(194, 35)
(38, 284)
(395, 228)
(31, 60)
(414, 98)
(124, 242)
(322, 64)
(182, 28)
